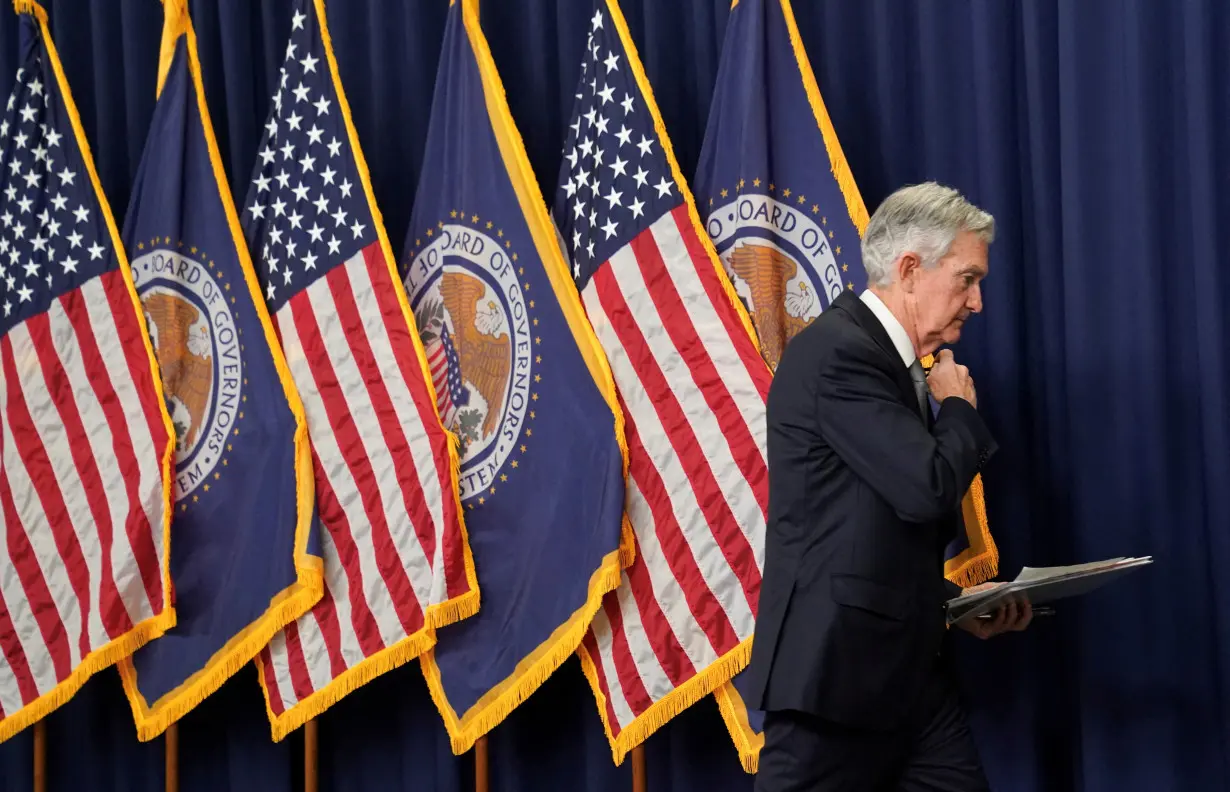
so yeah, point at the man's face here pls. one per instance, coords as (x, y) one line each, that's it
(947, 294)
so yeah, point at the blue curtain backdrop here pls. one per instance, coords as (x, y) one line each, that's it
(1097, 132)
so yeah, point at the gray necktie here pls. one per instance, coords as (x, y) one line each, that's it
(919, 377)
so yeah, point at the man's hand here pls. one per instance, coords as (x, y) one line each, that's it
(948, 378)
(1012, 616)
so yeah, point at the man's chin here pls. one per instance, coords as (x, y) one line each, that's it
(953, 333)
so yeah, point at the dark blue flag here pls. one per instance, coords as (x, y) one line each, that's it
(244, 560)
(521, 380)
(788, 231)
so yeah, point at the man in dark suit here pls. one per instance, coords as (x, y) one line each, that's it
(865, 485)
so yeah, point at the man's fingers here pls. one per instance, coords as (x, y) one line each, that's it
(1025, 617)
(1012, 616)
(996, 625)
(1005, 615)
(1010, 613)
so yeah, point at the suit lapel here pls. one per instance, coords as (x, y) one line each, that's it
(849, 302)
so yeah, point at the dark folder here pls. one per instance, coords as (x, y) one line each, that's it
(1043, 585)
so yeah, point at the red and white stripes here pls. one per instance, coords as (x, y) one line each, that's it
(393, 547)
(693, 389)
(82, 498)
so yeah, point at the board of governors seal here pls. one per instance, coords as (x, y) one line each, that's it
(199, 356)
(780, 262)
(475, 327)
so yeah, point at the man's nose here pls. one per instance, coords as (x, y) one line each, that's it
(974, 303)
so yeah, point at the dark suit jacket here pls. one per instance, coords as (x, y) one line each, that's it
(863, 497)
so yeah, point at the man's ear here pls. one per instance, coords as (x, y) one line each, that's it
(908, 267)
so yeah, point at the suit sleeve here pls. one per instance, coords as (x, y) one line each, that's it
(922, 474)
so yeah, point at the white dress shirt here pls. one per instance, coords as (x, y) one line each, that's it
(896, 333)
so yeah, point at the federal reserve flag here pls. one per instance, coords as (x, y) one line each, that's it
(693, 387)
(86, 443)
(396, 560)
(522, 382)
(244, 563)
(787, 229)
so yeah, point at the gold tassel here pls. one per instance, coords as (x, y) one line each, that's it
(30, 7)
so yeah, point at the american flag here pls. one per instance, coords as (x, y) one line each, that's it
(86, 443)
(693, 389)
(396, 562)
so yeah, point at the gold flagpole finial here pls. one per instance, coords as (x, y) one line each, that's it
(174, 25)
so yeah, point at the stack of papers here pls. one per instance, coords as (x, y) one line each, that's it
(1046, 584)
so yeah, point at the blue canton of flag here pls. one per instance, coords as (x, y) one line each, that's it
(617, 180)
(246, 560)
(85, 443)
(306, 212)
(788, 231)
(55, 238)
(521, 380)
(396, 561)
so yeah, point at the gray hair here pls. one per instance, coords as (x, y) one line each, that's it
(922, 219)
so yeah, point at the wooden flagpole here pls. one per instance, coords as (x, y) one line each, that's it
(40, 756)
(171, 736)
(482, 767)
(640, 781)
(311, 782)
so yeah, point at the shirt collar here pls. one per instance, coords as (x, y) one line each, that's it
(896, 333)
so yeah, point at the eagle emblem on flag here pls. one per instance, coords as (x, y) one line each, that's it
(475, 321)
(781, 303)
(182, 344)
(192, 329)
(469, 320)
(779, 258)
